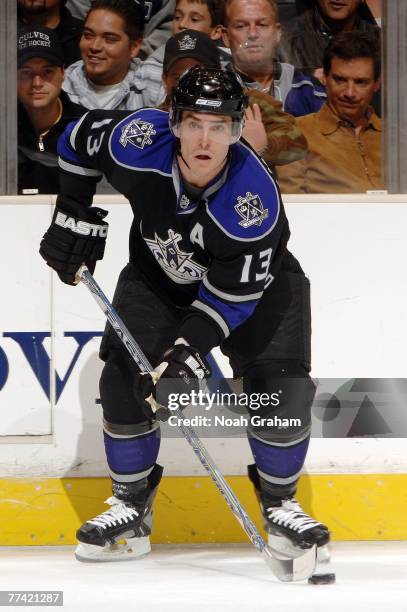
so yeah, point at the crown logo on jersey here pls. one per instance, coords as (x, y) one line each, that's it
(187, 43)
(184, 201)
(177, 264)
(138, 133)
(251, 209)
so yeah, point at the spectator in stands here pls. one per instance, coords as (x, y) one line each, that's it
(53, 14)
(253, 32)
(157, 21)
(200, 15)
(344, 137)
(306, 37)
(43, 109)
(109, 75)
(305, 48)
(186, 49)
(271, 132)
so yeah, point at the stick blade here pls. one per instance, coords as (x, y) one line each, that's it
(291, 570)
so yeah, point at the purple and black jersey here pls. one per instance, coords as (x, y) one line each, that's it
(216, 252)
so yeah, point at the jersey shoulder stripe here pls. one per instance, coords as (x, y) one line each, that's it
(247, 206)
(143, 141)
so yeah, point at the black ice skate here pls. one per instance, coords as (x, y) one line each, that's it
(290, 530)
(121, 532)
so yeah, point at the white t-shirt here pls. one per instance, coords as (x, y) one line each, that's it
(104, 93)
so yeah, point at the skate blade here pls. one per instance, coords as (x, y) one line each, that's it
(128, 550)
(281, 545)
(291, 569)
(323, 554)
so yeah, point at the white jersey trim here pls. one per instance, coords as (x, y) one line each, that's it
(228, 296)
(213, 314)
(78, 169)
(72, 137)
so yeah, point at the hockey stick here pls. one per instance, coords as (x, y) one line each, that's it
(285, 569)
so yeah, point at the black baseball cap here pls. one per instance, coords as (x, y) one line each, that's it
(39, 42)
(191, 43)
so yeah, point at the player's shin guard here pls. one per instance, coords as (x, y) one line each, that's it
(279, 448)
(122, 532)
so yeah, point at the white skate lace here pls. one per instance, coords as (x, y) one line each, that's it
(117, 514)
(290, 514)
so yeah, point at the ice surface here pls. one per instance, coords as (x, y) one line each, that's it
(370, 576)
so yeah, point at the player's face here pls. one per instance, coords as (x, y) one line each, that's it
(191, 16)
(39, 83)
(338, 10)
(205, 141)
(176, 70)
(252, 32)
(350, 86)
(106, 48)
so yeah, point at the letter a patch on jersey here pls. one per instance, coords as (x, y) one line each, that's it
(251, 209)
(138, 133)
(177, 264)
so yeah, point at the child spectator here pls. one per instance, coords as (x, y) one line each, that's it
(200, 15)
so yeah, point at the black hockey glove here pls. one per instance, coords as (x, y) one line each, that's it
(73, 240)
(180, 370)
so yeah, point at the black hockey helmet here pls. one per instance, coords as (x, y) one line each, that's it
(209, 90)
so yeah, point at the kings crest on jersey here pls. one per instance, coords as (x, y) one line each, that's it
(143, 141)
(138, 133)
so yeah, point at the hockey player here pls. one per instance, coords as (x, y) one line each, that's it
(208, 267)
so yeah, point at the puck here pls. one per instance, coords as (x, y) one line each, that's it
(322, 579)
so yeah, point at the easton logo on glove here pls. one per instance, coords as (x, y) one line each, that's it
(75, 237)
(80, 227)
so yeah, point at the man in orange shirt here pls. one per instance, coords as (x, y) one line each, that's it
(344, 137)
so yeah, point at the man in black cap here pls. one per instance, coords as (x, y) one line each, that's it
(43, 109)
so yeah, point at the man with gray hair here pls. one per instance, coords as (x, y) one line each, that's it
(253, 33)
